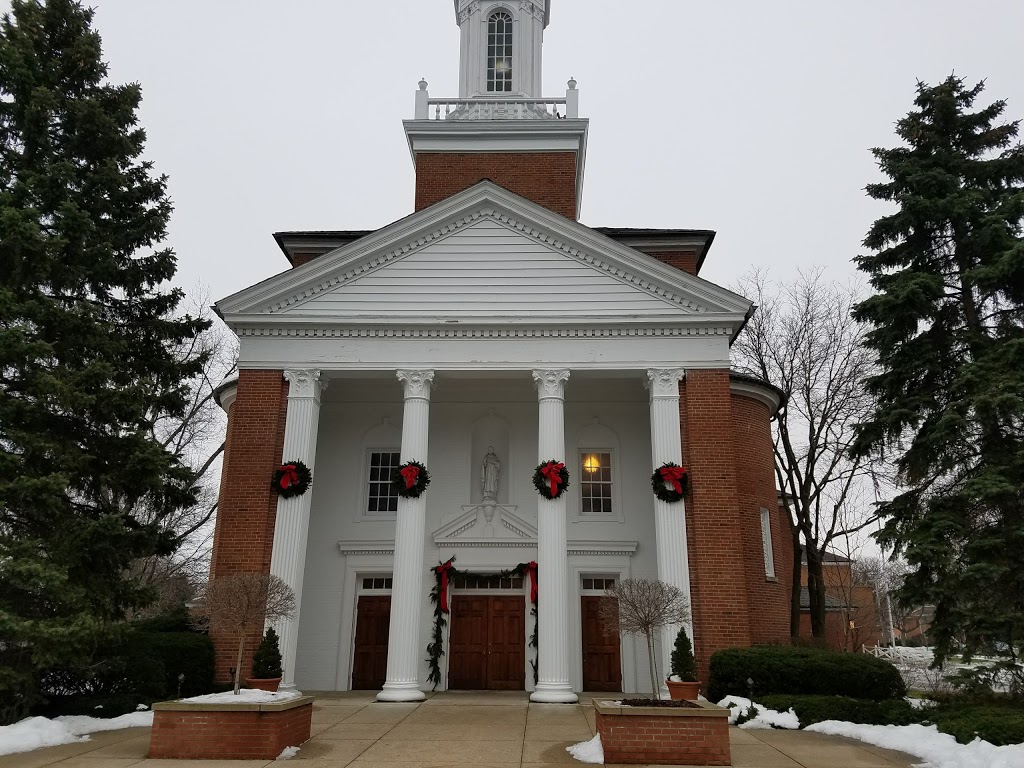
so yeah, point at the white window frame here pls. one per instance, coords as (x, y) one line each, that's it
(486, 51)
(766, 543)
(576, 477)
(365, 513)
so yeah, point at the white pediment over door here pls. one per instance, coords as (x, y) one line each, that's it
(486, 269)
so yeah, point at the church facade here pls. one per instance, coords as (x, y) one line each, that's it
(482, 339)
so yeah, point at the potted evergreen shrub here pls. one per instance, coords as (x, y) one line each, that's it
(682, 684)
(266, 663)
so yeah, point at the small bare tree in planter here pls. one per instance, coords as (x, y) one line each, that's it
(242, 603)
(644, 607)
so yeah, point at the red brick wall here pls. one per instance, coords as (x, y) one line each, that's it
(244, 532)
(683, 260)
(546, 178)
(225, 735)
(755, 488)
(714, 526)
(664, 740)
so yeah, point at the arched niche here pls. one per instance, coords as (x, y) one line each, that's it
(489, 431)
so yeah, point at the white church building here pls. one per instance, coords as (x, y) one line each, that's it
(483, 335)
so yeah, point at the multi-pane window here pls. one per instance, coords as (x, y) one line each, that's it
(766, 542)
(499, 52)
(377, 582)
(488, 582)
(381, 498)
(596, 483)
(598, 583)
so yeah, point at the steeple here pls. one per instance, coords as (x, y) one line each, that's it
(501, 43)
(500, 127)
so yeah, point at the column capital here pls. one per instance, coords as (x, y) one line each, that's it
(551, 383)
(663, 382)
(415, 384)
(305, 383)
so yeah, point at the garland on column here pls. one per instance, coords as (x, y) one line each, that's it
(443, 574)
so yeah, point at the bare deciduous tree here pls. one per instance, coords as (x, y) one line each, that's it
(644, 607)
(197, 437)
(241, 603)
(803, 340)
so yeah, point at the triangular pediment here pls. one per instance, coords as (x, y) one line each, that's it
(484, 254)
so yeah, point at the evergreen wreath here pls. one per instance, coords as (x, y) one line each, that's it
(410, 480)
(443, 574)
(292, 479)
(670, 482)
(551, 478)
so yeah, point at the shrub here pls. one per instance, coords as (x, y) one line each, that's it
(683, 664)
(815, 709)
(266, 662)
(783, 669)
(185, 653)
(996, 724)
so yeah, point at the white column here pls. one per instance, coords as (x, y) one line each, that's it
(552, 559)
(291, 527)
(404, 651)
(669, 519)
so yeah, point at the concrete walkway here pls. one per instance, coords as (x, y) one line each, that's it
(458, 729)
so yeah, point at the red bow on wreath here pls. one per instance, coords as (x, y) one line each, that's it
(443, 570)
(674, 475)
(289, 476)
(409, 474)
(531, 567)
(552, 471)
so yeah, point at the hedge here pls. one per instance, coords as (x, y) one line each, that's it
(815, 709)
(783, 669)
(996, 724)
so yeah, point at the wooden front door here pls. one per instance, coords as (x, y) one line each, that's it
(487, 645)
(602, 666)
(370, 662)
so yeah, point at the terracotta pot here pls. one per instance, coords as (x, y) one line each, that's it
(263, 683)
(684, 691)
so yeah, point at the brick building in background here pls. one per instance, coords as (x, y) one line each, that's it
(492, 329)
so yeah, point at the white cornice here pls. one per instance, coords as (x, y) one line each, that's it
(489, 328)
(367, 547)
(762, 393)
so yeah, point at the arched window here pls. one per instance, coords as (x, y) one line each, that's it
(499, 52)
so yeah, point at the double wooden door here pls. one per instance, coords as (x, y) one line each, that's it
(602, 664)
(370, 662)
(487, 644)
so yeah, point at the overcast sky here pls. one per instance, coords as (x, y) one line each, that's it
(751, 118)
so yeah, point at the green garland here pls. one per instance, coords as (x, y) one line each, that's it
(435, 649)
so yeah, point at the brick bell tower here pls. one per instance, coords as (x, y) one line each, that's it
(500, 127)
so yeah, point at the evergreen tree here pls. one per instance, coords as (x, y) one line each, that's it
(266, 662)
(87, 342)
(947, 322)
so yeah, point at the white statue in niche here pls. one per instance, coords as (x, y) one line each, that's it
(489, 470)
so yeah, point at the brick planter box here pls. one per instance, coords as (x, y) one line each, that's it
(229, 731)
(663, 735)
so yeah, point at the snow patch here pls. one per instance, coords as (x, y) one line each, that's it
(288, 753)
(37, 732)
(588, 751)
(761, 718)
(675, 679)
(244, 696)
(925, 741)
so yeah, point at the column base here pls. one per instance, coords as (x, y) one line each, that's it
(554, 693)
(401, 692)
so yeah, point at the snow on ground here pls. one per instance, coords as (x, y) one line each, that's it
(36, 732)
(925, 741)
(288, 753)
(588, 751)
(245, 696)
(763, 717)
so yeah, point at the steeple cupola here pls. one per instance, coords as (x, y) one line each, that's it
(501, 47)
(500, 127)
